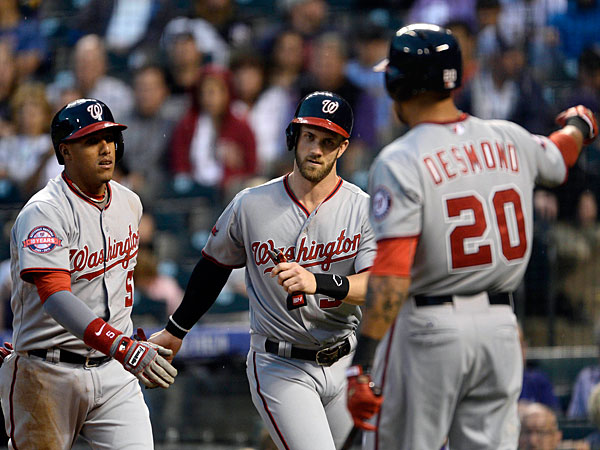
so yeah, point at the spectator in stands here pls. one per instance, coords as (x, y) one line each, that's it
(524, 23)
(587, 379)
(539, 430)
(577, 246)
(308, 17)
(249, 78)
(27, 157)
(466, 38)
(127, 27)
(215, 29)
(184, 62)
(537, 387)
(265, 110)
(370, 47)
(441, 11)
(585, 175)
(504, 89)
(8, 83)
(279, 99)
(586, 90)
(149, 132)
(287, 60)
(211, 145)
(577, 29)
(92, 80)
(65, 95)
(25, 38)
(327, 72)
(537, 286)
(157, 293)
(593, 439)
(305, 17)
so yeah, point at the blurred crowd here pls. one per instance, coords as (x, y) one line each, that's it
(207, 87)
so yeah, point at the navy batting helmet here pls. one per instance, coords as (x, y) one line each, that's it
(322, 109)
(422, 57)
(82, 117)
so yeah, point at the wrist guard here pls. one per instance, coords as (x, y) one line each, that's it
(332, 285)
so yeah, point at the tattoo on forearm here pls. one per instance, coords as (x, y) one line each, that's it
(385, 296)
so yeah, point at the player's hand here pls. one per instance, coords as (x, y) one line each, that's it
(364, 399)
(145, 360)
(167, 341)
(5, 351)
(584, 114)
(294, 278)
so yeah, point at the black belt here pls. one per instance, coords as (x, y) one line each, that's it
(324, 357)
(72, 358)
(502, 298)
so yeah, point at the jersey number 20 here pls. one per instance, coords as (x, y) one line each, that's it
(513, 247)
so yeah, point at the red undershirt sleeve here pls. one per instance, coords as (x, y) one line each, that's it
(48, 283)
(567, 146)
(395, 256)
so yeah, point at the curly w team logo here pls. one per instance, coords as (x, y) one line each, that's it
(329, 106)
(42, 240)
(95, 111)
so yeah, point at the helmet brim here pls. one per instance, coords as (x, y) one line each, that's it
(322, 123)
(93, 128)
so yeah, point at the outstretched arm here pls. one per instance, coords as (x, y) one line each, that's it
(146, 362)
(205, 284)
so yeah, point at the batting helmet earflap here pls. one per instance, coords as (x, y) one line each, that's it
(80, 118)
(422, 57)
(322, 109)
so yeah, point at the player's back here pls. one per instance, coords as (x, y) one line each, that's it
(466, 189)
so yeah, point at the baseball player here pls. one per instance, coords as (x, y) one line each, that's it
(306, 242)
(73, 250)
(451, 208)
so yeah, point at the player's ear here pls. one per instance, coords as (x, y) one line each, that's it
(343, 147)
(64, 150)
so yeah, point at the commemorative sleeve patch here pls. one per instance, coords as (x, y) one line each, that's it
(42, 240)
(381, 203)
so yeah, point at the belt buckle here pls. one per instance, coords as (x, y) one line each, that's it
(327, 356)
(92, 362)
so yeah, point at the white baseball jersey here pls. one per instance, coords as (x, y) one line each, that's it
(454, 370)
(335, 238)
(465, 189)
(59, 229)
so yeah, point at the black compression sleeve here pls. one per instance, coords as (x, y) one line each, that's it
(365, 352)
(202, 290)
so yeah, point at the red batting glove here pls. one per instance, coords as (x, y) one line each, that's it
(364, 399)
(586, 115)
(5, 351)
(140, 335)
